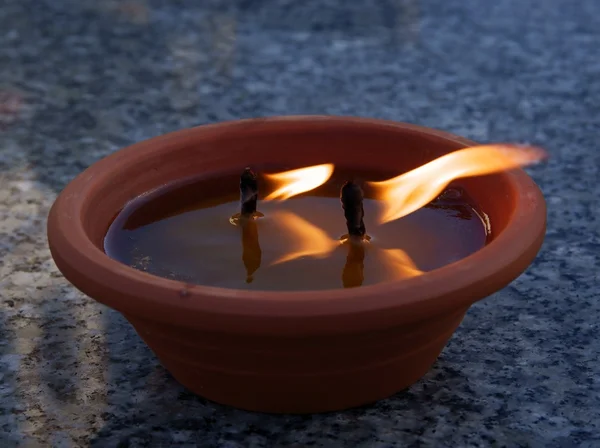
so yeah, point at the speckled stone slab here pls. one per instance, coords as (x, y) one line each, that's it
(80, 79)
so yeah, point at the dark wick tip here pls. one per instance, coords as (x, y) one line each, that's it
(248, 191)
(352, 197)
(248, 175)
(351, 192)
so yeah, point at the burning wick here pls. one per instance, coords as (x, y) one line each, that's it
(248, 198)
(352, 197)
(248, 192)
(251, 251)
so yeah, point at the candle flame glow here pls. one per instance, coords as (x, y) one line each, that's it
(410, 191)
(295, 182)
(309, 240)
(401, 262)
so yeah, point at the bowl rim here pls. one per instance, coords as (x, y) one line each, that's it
(455, 285)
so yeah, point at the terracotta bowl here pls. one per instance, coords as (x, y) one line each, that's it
(291, 352)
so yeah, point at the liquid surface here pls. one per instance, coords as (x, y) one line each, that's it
(194, 242)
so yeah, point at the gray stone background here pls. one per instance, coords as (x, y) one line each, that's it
(80, 79)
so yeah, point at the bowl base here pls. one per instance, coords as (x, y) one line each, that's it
(306, 394)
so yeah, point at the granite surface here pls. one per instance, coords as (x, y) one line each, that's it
(81, 78)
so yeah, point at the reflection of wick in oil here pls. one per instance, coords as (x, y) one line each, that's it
(311, 241)
(251, 252)
(352, 196)
(353, 273)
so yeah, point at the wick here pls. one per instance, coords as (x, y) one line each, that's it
(248, 192)
(251, 251)
(352, 196)
(248, 197)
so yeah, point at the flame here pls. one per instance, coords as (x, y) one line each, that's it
(292, 183)
(309, 240)
(401, 262)
(410, 191)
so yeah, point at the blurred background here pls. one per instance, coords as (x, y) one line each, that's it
(80, 79)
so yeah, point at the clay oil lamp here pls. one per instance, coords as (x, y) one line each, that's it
(299, 264)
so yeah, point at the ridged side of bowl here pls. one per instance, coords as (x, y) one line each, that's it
(299, 375)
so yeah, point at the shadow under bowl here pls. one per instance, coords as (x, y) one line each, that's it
(291, 352)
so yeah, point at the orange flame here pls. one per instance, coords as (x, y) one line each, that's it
(410, 191)
(309, 240)
(295, 182)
